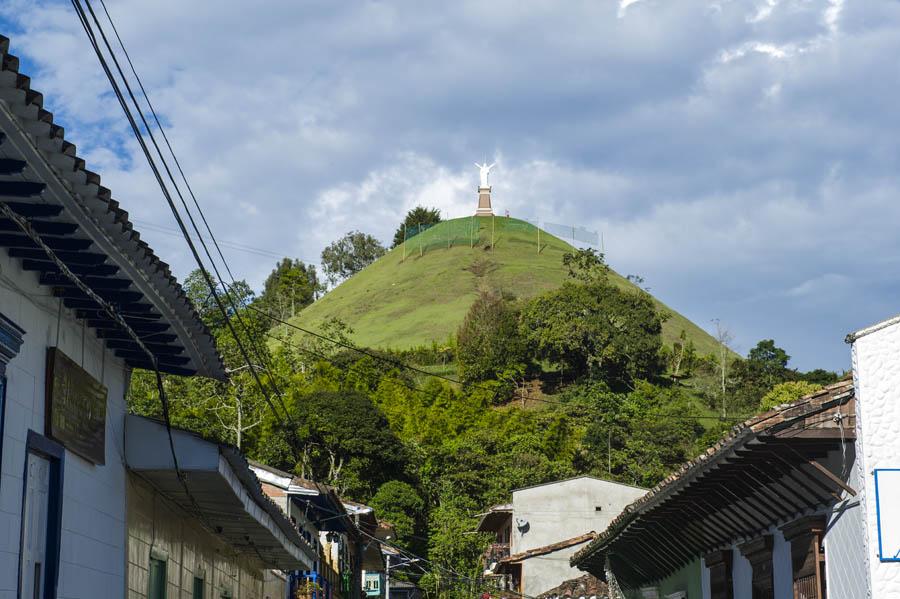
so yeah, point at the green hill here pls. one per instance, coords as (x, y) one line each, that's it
(421, 293)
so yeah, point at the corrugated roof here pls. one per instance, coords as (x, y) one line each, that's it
(73, 205)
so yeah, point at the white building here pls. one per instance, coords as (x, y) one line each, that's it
(876, 373)
(71, 494)
(537, 534)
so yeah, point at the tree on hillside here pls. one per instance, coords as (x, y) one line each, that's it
(238, 295)
(636, 437)
(585, 265)
(414, 218)
(596, 329)
(349, 255)
(788, 392)
(400, 504)
(345, 439)
(488, 340)
(289, 288)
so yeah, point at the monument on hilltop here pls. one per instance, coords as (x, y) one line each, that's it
(484, 190)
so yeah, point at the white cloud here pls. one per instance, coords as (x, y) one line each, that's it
(623, 7)
(725, 151)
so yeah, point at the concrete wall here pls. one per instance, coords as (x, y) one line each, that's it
(876, 373)
(559, 511)
(157, 526)
(92, 553)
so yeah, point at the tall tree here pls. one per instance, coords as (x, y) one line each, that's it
(488, 341)
(414, 219)
(290, 287)
(349, 255)
(596, 329)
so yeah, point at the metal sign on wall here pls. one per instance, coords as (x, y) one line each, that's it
(76, 407)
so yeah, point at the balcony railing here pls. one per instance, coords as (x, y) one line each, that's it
(495, 552)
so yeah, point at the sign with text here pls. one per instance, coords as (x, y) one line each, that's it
(76, 407)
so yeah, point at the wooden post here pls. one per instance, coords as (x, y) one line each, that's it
(404, 242)
(539, 236)
(449, 227)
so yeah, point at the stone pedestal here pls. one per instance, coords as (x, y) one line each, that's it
(484, 202)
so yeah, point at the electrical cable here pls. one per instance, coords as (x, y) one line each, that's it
(205, 274)
(180, 196)
(403, 365)
(261, 353)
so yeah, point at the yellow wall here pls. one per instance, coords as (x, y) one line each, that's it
(155, 523)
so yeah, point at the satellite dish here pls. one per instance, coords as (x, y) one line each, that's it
(522, 525)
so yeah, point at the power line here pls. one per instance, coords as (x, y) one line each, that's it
(138, 135)
(228, 244)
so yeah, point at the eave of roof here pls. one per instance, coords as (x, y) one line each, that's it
(77, 202)
(225, 495)
(551, 548)
(775, 421)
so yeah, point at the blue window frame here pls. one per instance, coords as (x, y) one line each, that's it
(887, 513)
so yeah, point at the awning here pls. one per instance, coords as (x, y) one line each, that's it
(44, 182)
(766, 472)
(326, 510)
(494, 518)
(222, 492)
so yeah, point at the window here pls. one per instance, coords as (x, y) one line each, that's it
(199, 590)
(157, 579)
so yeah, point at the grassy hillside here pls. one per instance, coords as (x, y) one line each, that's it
(421, 293)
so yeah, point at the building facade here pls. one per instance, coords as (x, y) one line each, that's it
(876, 373)
(72, 271)
(536, 535)
(772, 511)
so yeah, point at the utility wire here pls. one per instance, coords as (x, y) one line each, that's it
(261, 353)
(403, 365)
(205, 274)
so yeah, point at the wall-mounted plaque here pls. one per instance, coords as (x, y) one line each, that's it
(76, 407)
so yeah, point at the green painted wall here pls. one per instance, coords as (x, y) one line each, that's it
(687, 579)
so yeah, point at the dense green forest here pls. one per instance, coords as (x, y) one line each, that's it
(575, 380)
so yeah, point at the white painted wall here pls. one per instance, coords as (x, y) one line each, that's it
(559, 511)
(876, 373)
(92, 554)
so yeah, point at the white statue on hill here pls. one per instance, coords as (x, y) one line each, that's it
(485, 170)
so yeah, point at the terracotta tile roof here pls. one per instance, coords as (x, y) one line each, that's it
(804, 413)
(584, 586)
(101, 219)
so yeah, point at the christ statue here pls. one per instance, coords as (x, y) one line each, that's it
(485, 170)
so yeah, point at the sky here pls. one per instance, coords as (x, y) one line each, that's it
(740, 156)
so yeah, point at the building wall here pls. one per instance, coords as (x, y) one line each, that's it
(876, 374)
(559, 511)
(688, 578)
(92, 552)
(159, 528)
(544, 572)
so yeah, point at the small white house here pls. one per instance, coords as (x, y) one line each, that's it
(545, 525)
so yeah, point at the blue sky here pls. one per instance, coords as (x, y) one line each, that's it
(741, 156)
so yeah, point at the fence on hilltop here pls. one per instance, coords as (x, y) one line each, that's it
(487, 231)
